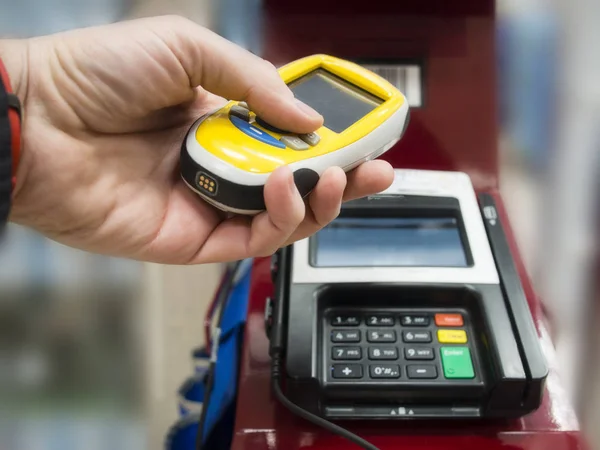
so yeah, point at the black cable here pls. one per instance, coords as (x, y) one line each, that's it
(223, 296)
(276, 363)
(277, 350)
(207, 392)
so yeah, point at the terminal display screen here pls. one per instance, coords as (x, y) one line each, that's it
(340, 103)
(389, 242)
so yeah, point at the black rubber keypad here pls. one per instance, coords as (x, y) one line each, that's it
(396, 346)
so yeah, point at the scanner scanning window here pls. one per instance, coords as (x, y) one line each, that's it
(389, 242)
(340, 103)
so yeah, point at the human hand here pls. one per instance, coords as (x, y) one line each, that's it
(106, 110)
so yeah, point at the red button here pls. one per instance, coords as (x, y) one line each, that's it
(448, 320)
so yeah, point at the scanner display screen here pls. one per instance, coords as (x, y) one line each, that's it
(340, 103)
(389, 242)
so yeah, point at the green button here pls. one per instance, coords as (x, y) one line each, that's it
(457, 362)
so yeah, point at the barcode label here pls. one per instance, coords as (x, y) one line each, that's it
(407, 78)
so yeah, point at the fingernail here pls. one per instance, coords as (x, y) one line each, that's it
(307, 110)
(292, 183)
(290, 177)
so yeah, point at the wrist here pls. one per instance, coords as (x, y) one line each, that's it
(14, 55)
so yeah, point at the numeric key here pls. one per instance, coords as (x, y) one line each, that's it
(415, 320)
(381, 336)
(383, 353)
(345, 336)
(416, 336)
(380, 321)
(346, 353)
(342, 320)
(384, 371)
(416, 353)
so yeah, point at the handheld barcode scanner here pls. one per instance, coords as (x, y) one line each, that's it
(228, 155)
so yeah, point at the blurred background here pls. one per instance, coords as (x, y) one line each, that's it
(93, 349)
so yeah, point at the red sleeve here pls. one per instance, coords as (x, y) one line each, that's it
(10, 142)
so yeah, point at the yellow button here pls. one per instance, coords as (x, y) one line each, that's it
(452, 336)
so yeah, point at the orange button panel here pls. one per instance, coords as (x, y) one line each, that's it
(449, 320)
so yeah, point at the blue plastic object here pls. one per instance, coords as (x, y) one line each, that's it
(224, 392)
(182, 435)
(200, 359)
(256, 133)
(191, 394)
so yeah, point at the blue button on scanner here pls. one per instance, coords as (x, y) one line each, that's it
(256, 133)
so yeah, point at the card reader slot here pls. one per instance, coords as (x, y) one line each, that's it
(400, 411)
(516, 302)
(411, 393)
(511, 373)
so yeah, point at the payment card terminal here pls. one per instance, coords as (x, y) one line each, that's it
(407, 306)
(228, 154)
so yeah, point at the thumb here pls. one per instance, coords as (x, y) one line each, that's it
(229, 71)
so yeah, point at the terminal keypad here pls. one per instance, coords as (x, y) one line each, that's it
(384, 346)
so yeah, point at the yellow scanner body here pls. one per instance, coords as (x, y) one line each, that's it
(228, 154)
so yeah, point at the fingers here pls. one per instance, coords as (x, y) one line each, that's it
(326, 200)
(325, 203)
(229, 71)
(244, 237)
(335, 187)
(369, 178)
(285, 212)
